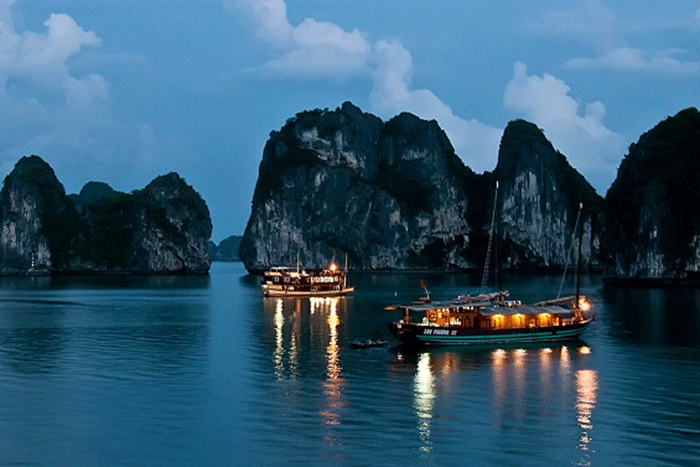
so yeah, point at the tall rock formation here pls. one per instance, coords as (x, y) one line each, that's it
(652, 209)
(38, 219)
(162, 229)
(395, 196)
(390, 195)
(539, 199)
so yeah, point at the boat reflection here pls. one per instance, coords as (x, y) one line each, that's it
(311, 326)
(424, 399)
(586, 390)
(333, 385)
(525, 382)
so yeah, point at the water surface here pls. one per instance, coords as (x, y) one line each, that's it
(205, 371)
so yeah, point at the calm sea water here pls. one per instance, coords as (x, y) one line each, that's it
(204, 371)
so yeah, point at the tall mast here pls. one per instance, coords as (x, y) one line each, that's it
(488, 248)
(578, 259)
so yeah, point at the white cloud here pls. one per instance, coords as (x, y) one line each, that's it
(268, 18)
(321, 50)
(311, 50)
(589, 145)
(41, 57)
(629, 59)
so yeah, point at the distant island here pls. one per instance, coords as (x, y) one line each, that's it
(161, 229)
(226, 250)
(394, 196)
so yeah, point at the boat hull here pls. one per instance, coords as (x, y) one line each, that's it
(284, 292)
(414, 334)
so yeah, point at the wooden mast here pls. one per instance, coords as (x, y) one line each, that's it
(578, 258)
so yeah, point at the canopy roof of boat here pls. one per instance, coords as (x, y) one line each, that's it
(526, 310)
(489, 308)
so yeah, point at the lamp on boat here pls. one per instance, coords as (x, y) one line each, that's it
(583, 304)
(333, 267)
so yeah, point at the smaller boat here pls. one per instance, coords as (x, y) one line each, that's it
(365, 343)
(283, 281)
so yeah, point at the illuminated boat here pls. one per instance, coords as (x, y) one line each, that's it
(294, 282)
(490, 318)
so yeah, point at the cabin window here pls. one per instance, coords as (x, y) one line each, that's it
(277, 279)
(313, 288)
(286, 279)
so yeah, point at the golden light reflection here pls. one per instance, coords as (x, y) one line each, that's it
(586, 395)
(498, 358)
(294, 341)
(333, 386)
(424, 395)
(279, 339)
(564, 362)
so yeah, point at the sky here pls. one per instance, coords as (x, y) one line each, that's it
(122, 91)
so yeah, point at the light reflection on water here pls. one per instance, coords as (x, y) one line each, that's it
(424, 399)
(333, 386)
(586, 391)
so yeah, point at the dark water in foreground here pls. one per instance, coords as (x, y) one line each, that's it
(204, 371)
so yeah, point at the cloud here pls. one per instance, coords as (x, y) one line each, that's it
(589, 145)
(268, 18)
(312, 50)
(46, 109)
(40, 58)
(629, 59)
(324, 51)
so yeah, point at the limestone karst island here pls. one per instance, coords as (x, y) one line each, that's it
(388, 195)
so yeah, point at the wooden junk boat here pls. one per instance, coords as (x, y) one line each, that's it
(492, 318)
(282, 281)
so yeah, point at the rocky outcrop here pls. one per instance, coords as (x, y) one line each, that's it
(390, 195)
(37, 219)
(395, 196)
(652, 210)
(162, 229)
(539, 198)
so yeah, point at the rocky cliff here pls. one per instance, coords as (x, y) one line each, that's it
(539, 198)
(652, 210)
(394, 195)
(38, 220)
(390, 195)
(162, 229)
